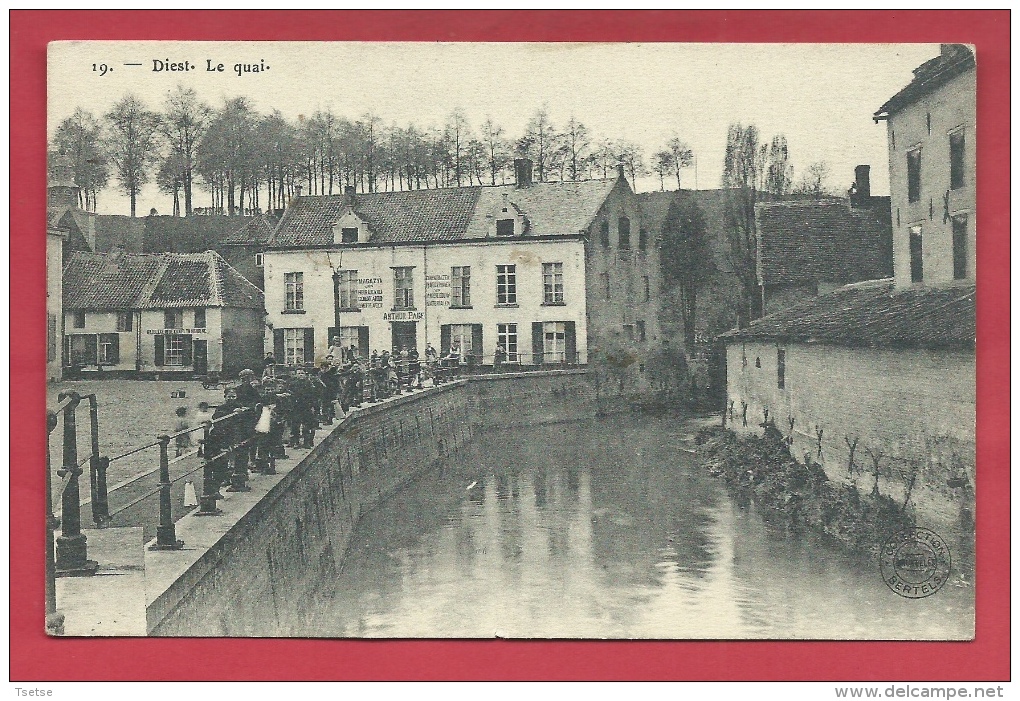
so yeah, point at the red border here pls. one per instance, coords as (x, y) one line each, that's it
(33, 656)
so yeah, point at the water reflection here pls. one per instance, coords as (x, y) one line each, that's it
(582, 530)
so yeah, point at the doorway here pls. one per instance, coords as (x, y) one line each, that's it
(405, 334)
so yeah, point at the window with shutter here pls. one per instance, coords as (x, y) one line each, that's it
(158, 343)
(109, 348)
(537, 349)
(309, 345)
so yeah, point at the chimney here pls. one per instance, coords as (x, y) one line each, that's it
(860, 192)
(620, 172)
(522, 170)
(349, 195)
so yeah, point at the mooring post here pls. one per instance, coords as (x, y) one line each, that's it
(239, 475)
(97, 469)
(54, 619)
(72, 546)
(166, 534)
(210, 487)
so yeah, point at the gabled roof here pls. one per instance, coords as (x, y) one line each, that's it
(256, 232)
(874, 314)
(120, 281)
(953, 60)
(445, 214)
(823, 241)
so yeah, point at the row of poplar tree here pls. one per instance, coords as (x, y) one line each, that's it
(247, 162)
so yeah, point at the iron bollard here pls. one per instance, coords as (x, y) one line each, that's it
(97, 469)
(210, 487)
(72, 546)
(54, 619)
(166, 534)
(239, 475)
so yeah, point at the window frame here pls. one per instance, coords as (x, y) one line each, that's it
(460, 287)
(294, 339)
(347, 290)
(260, 260)
(403, 287)
(347, 232)
(173, 349)
(508, 337)
(553, 290)
(957, 162)
(502, 224)
(557, 330)
(604, 233)
(125, 322)
(506, 285)
(200, 311)
(458, 339)
(173, 318)
(294, 291)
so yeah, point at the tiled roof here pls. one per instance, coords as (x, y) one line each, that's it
(875, 314)
(255, 232)
(155, 281)
(823, 241)
(953, 60)
(192, 234)
(117, 230)
(446, 214)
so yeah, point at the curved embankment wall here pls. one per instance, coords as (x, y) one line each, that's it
(267, 573)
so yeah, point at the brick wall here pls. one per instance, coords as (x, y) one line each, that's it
(915, 407)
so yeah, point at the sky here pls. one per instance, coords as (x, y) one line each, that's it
(821, 96)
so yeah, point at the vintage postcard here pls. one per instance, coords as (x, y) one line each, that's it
(516, 340)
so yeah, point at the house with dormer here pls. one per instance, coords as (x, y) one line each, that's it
(547, 271)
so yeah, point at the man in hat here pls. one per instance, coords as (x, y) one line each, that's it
(247, 395)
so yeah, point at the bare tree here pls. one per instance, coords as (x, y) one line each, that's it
(131, 144)
(538, 141)
(662, 165)
(577, 144)
(815, 180)
(457, 135)
(185, 119)
(683, 157)
(496, 148)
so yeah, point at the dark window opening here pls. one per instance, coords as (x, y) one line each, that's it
(641, 331)
(125, 321)
(504, 227)
(604, 234)
(916, 255)
(959, 248)
(349, 234)
(928, 121)
(957, 150)
(173, 319)
(642, 239)
(781, 368)
(79, 320)
(914, 175)
(624, 232)
(200, 318)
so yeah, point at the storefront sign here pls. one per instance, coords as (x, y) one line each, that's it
(437, 290)
(403, 316)
(175, 332)
(370, 295)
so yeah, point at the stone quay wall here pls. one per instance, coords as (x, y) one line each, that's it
(267, 574)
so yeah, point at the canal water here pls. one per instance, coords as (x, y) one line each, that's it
(607, 529)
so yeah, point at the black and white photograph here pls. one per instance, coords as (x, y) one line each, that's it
(511, 340)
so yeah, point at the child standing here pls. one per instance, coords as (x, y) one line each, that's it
(183, 440)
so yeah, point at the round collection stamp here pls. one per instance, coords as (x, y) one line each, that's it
(915, 563)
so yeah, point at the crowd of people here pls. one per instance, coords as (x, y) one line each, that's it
(285, 406)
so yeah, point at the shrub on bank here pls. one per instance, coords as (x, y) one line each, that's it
(798, 495)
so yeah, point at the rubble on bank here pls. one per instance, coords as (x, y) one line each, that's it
(798, 495)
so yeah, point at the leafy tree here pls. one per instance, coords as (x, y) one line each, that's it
(170, 178)
(685, 259)
(185, 119)
(80, 137)
(779, 171)
(228, 155)
(131, 144)
(742, 174)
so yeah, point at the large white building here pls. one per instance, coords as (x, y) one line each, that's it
(552, 272)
